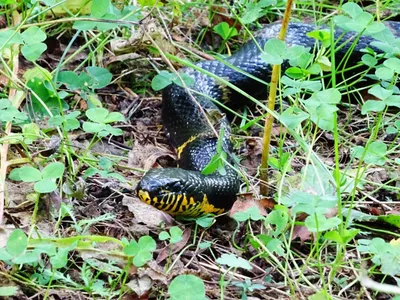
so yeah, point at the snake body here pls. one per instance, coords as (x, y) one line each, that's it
(186, 119)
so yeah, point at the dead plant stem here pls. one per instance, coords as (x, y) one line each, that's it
(276, 70)
(16, 19)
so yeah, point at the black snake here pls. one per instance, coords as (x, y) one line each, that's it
(184, 190)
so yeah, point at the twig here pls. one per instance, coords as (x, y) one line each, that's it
(16, 19)
(271, 104)
(377, 286)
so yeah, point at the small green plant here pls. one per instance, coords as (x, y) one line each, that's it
(247, 286)
(31, 39)
(218, 161)
(224, 31)
(165, 78)
(386, 98)
(321, 106)
(69, 122)
(16, 246)
(374, 154)
(205, 221)
(282, 163)
(187, 287)
(252, 213)
(174, 236)
(383, 254)
(45, 180)
(9, 113)
(394, 129)
(100, 119)
(255, 10)
(141, 251)
(33, 43)
(358, 20)
(105, 10)
(45, 99)
(233, 261)
(105, 171)
(315, 205)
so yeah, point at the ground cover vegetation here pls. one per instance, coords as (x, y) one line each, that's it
(80, 124)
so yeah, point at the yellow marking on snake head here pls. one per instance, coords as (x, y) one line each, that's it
(172, 203)
(170, 199)
(144, 196)
(181, 147)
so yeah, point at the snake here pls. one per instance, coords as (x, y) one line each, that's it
(192, 120)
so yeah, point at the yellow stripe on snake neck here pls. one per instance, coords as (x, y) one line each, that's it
(181, 147)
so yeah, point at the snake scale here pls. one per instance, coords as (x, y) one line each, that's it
(185, 190)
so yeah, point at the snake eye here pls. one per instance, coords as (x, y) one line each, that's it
(174, 186)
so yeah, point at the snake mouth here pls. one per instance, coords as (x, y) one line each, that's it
(163, 200)
(144, 196)
(151, 197)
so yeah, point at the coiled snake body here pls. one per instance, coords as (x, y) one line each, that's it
(184, 190)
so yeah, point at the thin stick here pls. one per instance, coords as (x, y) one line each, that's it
(13, 97)
(276, 69)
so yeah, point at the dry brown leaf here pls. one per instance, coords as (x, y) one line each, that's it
(83, 106)
(301, 231)
(243, 205)
(141, 286)
(277, 131)
(252, 155)
(145, 213)
(155, 272)
(267, 203)
(23, 218)
(145, 157)
(167, 251)
(16, 193)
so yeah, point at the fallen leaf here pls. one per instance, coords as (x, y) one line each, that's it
(267, 202)
(167, 251)
(277, 131)
(155, 272)
(141, 286)
(145, 213)
(16, 193)
(301, 231)
(251, 154)
(145, 157)
(244, 205)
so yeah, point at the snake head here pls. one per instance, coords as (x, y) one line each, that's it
(185, 192)
(159, 183)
